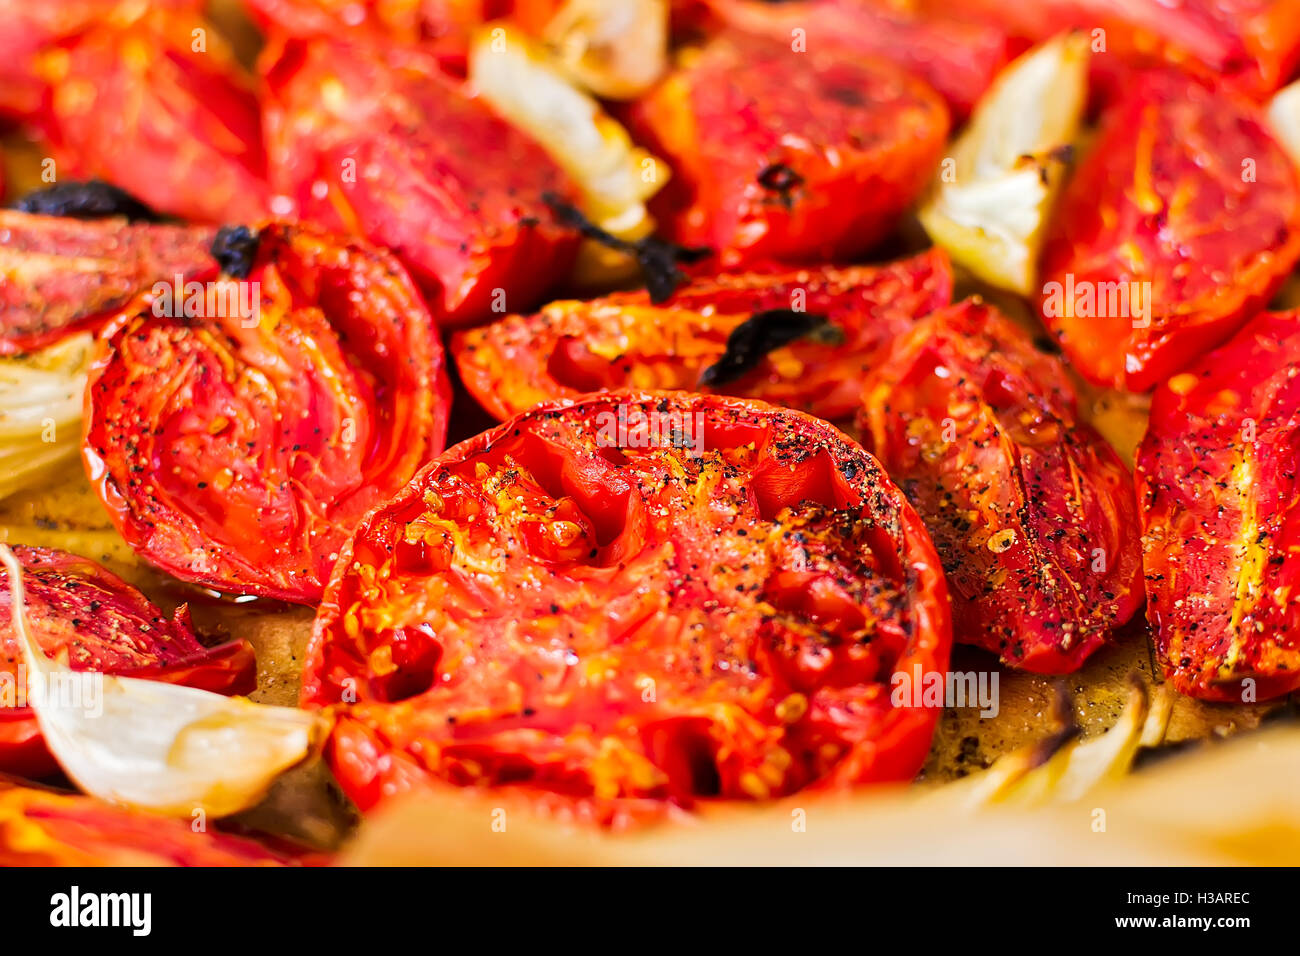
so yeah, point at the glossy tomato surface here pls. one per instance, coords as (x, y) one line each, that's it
(382, 144)
(623, 340)
(1217, 480)
(1031, 511)
(160, 107)
(633, 600)
(1181, 221)
(92, 620)
(236, 447)
(59, 275)
(793, 155)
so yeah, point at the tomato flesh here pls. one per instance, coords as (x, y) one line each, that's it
(1221, 516)
(246, 465)
(1031, 511)
(600, 617)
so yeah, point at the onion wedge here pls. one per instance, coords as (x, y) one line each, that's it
(40, 411)
(616, 50)
(518, 79)
(1284, 116)
(156, 746)
(991, 198)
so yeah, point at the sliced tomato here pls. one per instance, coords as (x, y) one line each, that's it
(958, 58)
(623, 341)
(1031, 511)
(59, 276)
(274, 428)
(141, 105)
(95, 621)
(633, 598)
(1253, 45)
(1181, 222)
(384, 145)
(1217, 481)
(786, 154)
(41, 827)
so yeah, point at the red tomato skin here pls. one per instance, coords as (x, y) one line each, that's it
(184, 125)
(99, 622)
(843, 143)
(959, 59)
(622, 340)
(982, 432)
(60, 276)
(1216, 479)
(50, 828)
(248, 470)
(1163, 198)
(1252, 45)
(398, 153)
(422, 699)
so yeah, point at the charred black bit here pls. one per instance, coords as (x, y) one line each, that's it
(658, 258)
(763, 332)
(235, 249)
(782, 180)
(92, 199)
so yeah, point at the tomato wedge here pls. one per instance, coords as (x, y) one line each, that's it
(274, 428)
(623, 341)
(1220, 500)
(1032, 512)
(396, 152)
(137, 103)
(1253, 45)
(632, 599)
(1180, 223)
(958, 58)
(100, 623)
(789, 155)
(41, 827)
(59, 275)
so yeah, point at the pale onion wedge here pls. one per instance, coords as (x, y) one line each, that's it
(994, 193)
(40, 411)
(616, 50)
(157, 746)
(616, 177)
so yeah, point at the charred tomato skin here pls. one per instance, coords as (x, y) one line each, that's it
(81, 611)
(1185, 201)
(1031, 511)
(59, 276)
(1217, 483)
(651, 628)
(622, 341)
(237, 451)
(784, 155)
(395, 151)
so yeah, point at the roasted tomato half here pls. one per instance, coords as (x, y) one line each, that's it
(81, 613)
(237, 430)
(41, 827)
(1031, 511)
(634, 599)
(1181, 222)
(384, 145)
(1217, 480)
(623, 341)
(160, 107)
(788, 154)
(958, 58)
(61, 275)
(1251, 44)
